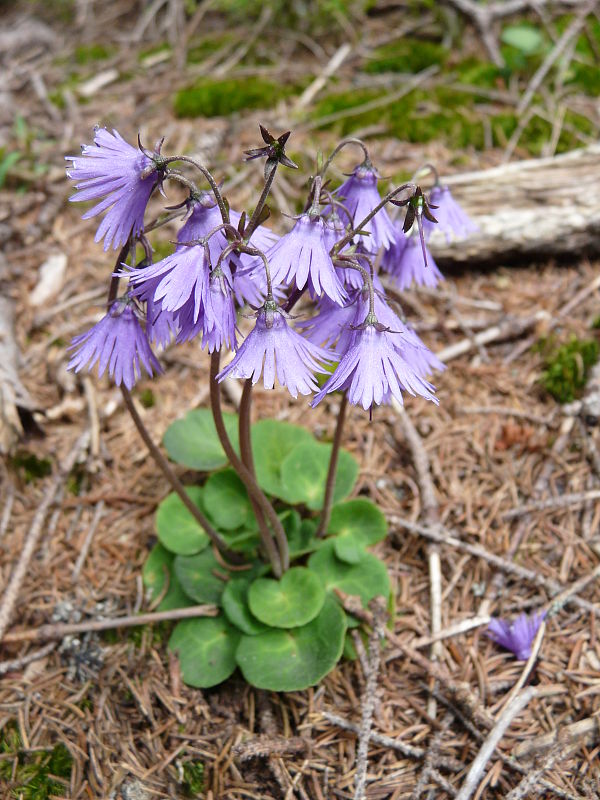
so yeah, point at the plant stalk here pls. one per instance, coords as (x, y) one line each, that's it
(331, 472)
(176, 484)
(253, 224)
(246, 476)
(248, 460)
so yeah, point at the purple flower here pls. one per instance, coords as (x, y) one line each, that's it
(161, 325)
(118, 343)
(217, 321)
(373, 369)
(302, 256)
(410, 266)
(360, 197)
(123, 175)
(332, 324)
(517, 635)
(272, 347)
(451, 219)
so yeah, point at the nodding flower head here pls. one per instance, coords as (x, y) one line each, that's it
(118, 343)
(359, 195)
(272, 349)
(121, 174)
(373, 369)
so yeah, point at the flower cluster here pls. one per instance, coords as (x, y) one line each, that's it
(224, 260)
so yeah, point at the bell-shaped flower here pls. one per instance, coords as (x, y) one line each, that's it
(121, 174)
(517, 635)
(118, 344)
(411, 268)
(302, 256)
(374, 369)
(451, 219)
(360, 196)
(273, 348)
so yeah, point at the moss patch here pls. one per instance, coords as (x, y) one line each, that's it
(406, 55)
(208, 98)
(88, 53)
(39, 775)
(567, 367)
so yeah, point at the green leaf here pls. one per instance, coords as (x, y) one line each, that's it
(302, 540)
(206, 648)
(272, 441)
(291, 660)
(235, 605)
(193, 441)
(292, 601)
(201, 576)
(367, 578)
(177, 529)
(304, 473)
(356, 524)
(526, 38)
(226, 500)
(158, 569)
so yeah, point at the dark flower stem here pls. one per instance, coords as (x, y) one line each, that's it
(341, 145)
(176, 484)
(154, 451)
(331, 472)
(389, 196)
(210, 180)
(253, 224)
(248, 460)
(246, 476)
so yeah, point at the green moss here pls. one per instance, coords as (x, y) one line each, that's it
(208, 98)
(585, 77)
(161, 249)
(87, 53)
(147, 398)
(203, 48)
(476, 72)
(406, 55)
(36, 776)
(567, 368)
(193, 777)
(31, 466)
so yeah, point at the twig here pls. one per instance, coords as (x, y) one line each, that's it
(9, 494)
(509, 328)
(443, 536)
(368, 699)
(334, 63)
(379, 102)
(12, 590)
(564, 501)
(17, 663)
(528, 785)
(62, 629)
(453, 630)
(431, 516)
(378, 738)
(493, 739)
(571, 32)
(88, 541)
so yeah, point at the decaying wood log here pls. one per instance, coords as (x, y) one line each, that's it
(531, 210)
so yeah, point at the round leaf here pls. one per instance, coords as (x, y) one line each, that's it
(288, 661)
(287, 603)
(226, 500)
(304, 473)
(206, 648)
(157, 570)
(193, 441)
(201, 576)
(272, 440)
(356, 524)
(367, 578)
(177, 529)
(234, 602)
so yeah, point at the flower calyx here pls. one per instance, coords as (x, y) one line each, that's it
(273, 151)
